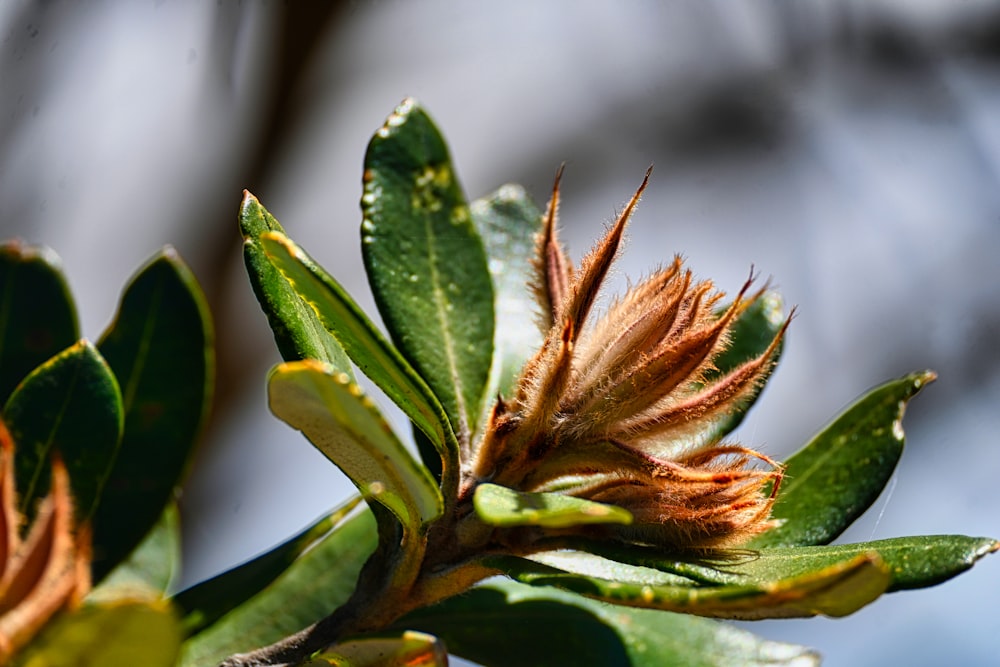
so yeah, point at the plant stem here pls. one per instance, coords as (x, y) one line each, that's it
(385, 592)
(296, 648)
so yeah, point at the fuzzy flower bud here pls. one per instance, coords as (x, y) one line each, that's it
(47, 571)
(620, 409)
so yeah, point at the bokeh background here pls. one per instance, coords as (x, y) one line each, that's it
(850, 150)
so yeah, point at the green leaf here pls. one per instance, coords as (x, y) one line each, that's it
(344, 424)
(841, 471)
(373, 354)
(386, 650)
(210, 600)
(298, 330)
(912, 562)
(37, 317)
(426, 263)
(150, 570)
(505, 624)
(500, 506)
(322, 579)
(838, 589)
(160, 347)
(71, 404)
(123, 634)
(507, 222)
(752, 332)
(928, 560)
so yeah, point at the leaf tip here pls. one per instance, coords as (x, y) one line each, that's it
(169, 253)
(990, 546)
(408, 107)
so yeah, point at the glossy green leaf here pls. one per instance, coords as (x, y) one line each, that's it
(928, 560)
(71, 404)
(161, 348)
(505, 624)
(319, 581)
(124, 634)
(37, 316)
(838, 589)
(912, 562)
(374, 355)
(344, 424)
(151, 569)
(842, 470)
(405, 649)
(500, 506)
(298, 330)
(206, 602)
(426, 263)
(507, 222)
(752, 332)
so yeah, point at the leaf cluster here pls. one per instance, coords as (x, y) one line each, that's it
(449, 278)
(122, 415)
(405, 572)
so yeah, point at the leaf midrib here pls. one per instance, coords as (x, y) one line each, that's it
(440, 311)
(47, 444)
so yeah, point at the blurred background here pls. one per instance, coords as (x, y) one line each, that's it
(850, 150)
